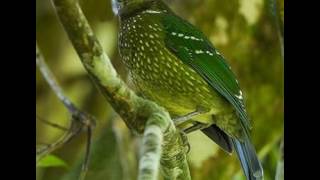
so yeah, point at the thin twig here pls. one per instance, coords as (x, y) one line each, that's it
(85, 164)
(42, 152)
(79, 120)
(51, 124)
(51, 80)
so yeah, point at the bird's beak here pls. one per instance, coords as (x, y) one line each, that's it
(115, 6)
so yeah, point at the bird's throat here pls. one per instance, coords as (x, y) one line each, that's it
(131, 7)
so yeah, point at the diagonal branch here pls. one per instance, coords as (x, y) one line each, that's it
(51, 124)
(51, 80)
(135, 111)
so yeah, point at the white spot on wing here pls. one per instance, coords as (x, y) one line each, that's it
(209, 53)
(199, 51)
(152, 11)
(240, 95)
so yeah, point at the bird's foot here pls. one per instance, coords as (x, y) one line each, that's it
(184, 118)
(185, 141)
(196, 126)
(186, 131)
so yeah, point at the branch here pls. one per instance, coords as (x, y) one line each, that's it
(79, 119)
(51, 124)
(280, 164)
(151, 153)
(135, 111)
(277, 12)
(51, 80)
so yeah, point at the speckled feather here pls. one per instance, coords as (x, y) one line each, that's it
(162, 77)
(193, 48)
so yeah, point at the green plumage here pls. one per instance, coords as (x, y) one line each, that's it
(193, 48)
(147, 46)
(172, 63)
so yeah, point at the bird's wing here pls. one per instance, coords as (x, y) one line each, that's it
(193, 48)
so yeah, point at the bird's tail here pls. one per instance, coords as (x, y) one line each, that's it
(248, 158)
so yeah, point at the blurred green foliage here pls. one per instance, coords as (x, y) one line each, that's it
(244, 31)
(51, 161)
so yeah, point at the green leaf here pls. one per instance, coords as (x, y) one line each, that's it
(52, 161)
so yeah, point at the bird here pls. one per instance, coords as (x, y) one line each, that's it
(173, 63)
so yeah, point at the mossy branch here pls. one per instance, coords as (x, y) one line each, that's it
(140, 115)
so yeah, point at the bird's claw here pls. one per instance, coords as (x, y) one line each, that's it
(185, 141)
(184, 118)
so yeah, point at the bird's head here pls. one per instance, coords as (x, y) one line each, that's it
(128, 5)
(116, 6)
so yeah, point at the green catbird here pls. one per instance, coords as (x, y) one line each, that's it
(173, 63)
